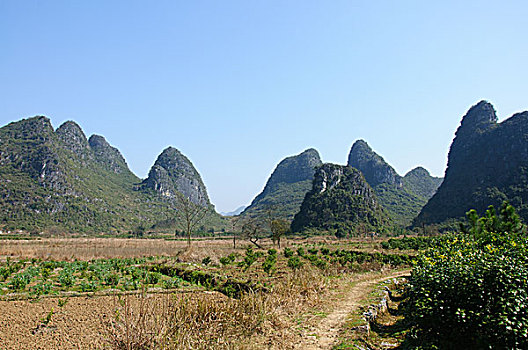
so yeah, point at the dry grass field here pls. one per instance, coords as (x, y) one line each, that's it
(100, 248)
(287, 311)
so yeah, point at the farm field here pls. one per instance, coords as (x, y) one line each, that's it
(83, 294)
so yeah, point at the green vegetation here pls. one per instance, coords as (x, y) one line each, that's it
(36, 277)
(469, 290)
(340, 202)
(409, 243)
(269, 264)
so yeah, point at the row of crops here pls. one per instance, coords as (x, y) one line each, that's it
(37, 277)
(321, 258)
(410, 243)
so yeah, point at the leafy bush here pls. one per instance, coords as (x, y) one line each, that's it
(249, 259)
(300, 251)
(409, 243)
(66, 278)
(269, 264)
(295, 262)
(313, 251)
(19, 282)
(41, 288)
(88, 286)
(153, 278)
(288, 252)
(206, 261)
(226, 260)
(4, 273)
(171, 283)
(111, 279)
(470, 290)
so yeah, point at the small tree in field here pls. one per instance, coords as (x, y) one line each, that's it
(279, 227)
(189, 214)
(234, 222)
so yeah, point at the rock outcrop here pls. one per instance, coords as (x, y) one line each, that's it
(107, 156)
(73, 139)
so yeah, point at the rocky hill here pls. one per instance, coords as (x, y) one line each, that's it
(174, 173)
(375, 169)
(59, 180)
(287, 186)
(487, 164)
(340, 200)
(401, 197)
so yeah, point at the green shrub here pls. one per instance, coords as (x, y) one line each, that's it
(269, 264)
(19, 282)
(88, 286)
(226, 260)
(295, 262)
(43, 287)
(288, 252)
(171, 283)
(249, 259)
(4, 273)
(153, 278)
(313, 251)
(300, 251)
(66, 278)
(111, 279)
(470, 290)
(206, 261)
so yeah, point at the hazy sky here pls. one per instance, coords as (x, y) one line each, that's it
(239, 85)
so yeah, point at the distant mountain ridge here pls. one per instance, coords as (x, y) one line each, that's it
(487, 164)
(287, 186)
(235, 212)
(402, 197)
(59, 179)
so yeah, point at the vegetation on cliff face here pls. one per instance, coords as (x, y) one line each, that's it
(340, 201)
(487, 164)
(60, 181)
(401, 197)
(286, 187)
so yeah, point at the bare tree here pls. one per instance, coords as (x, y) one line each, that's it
(189, 214)
(250, 230)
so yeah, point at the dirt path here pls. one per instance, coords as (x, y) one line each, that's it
(325, 334)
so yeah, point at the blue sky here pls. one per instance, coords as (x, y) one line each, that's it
(239, 85)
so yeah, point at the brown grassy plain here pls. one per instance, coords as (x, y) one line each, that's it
(282, 318)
